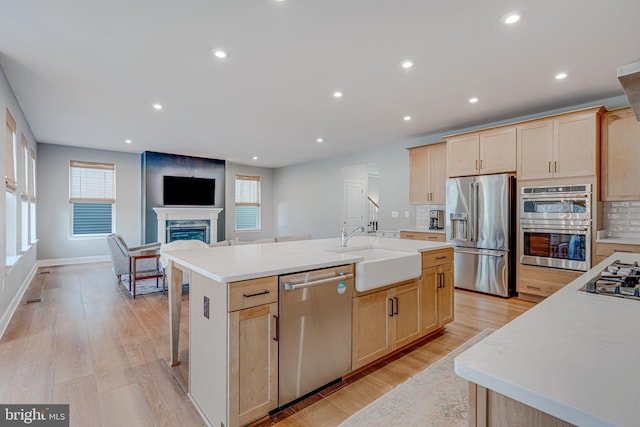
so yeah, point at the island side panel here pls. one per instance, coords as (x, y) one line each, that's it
(175, 304)
(208, 348)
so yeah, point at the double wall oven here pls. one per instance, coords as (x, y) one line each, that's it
(555, 226)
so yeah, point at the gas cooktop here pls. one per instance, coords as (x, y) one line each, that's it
(617, 280)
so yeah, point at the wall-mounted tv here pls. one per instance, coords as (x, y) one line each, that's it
(183, 191)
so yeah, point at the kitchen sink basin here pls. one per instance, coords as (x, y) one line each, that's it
(382, 267)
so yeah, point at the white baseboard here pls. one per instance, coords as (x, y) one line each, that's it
(69, 261)
(13, 306)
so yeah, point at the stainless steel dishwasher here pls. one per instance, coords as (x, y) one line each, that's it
(315, 330)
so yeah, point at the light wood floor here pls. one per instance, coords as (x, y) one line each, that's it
(89, 345)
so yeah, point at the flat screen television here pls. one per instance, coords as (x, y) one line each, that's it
(183, 191)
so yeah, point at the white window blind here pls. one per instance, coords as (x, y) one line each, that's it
(24, 177)
(32, 176)
(247, 202)
(10, 142)
(92, 195)
(92, 182)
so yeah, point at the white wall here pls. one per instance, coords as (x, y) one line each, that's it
(266, 202)
(13, 280)
(308, 196)
(54, 225)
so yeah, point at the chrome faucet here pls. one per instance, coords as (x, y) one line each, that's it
(344, 236)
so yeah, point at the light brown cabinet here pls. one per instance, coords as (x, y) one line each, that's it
(437, 291)
(604, 250)
(253, 363)
(559, 147)
(422, 235)
(486, 152)
(536, 283)
(384, 321)
(620, 154)
(427, 174)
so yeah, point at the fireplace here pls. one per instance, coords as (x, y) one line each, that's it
(188, 229)
(187, 223)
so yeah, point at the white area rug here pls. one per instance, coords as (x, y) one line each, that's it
(144, 286)
(433, 397)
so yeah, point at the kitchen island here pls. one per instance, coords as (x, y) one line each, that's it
(235, 313)
(572, 359)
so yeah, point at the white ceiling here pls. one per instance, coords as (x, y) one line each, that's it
(86, 73)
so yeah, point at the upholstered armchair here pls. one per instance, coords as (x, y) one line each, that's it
(133, 260)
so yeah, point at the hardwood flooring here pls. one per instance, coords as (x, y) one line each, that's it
(88, 344)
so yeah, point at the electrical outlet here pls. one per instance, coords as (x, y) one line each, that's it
(394, 214)
(206, 307)
(406, 214)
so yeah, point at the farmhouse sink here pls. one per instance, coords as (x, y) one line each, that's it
(382, 267)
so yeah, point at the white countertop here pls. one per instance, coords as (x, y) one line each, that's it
(242, 262)
(574, 356)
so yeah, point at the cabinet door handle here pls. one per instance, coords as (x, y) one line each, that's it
(549, 167)
(441, 257)
(480, 164)
(397, 305)
(441, 280)
(256, 294)
(277, 337)
(534, 288)
(555, 166)
(476, 165)
(391, 313)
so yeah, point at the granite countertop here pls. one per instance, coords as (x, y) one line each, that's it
(233, 263)
(572, 356)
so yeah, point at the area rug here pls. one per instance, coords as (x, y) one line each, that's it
(433, 397)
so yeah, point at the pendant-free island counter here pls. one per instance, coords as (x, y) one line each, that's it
(235, 369)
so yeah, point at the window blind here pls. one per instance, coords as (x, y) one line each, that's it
(247, 202)
(24, 181)
(91, 182)
(10, 142)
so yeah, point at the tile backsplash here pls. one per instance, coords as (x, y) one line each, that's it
(622, 219)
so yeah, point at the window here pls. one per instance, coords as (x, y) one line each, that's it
(247, 203)
(11, 204)
(92, 197)
(24, 195)
(32, 194)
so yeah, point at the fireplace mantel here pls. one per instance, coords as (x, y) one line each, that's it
(186, 213)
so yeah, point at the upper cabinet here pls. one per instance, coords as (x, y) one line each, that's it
(427, 174)
(561, 146)
(620, 152)
(485, 152)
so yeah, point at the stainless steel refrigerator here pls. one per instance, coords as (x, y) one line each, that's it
(480, 220)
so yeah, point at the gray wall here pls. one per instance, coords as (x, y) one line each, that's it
(308, 196)
(11, 280)
(53, 210)
(266, 202)
(156, 165)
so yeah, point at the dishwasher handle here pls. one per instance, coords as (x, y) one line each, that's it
(294, 287)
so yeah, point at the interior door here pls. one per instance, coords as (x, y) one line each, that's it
(353, 204)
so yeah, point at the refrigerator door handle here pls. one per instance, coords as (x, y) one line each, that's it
(479, 253)
(472, 211)
(476, 189)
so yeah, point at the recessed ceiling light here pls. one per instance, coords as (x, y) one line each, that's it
(255, 157)
(319, 140)
(406, 118)
(218, 53)
(128, 141)
(407, 64)
(473, 100)
(337, 94)
(157, 106)
(511, 17)
(561, 76)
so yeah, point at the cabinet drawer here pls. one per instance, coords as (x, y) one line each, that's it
(419, 235)
(250, 293)
(535, 287)
(606, 249)
(432, 258)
